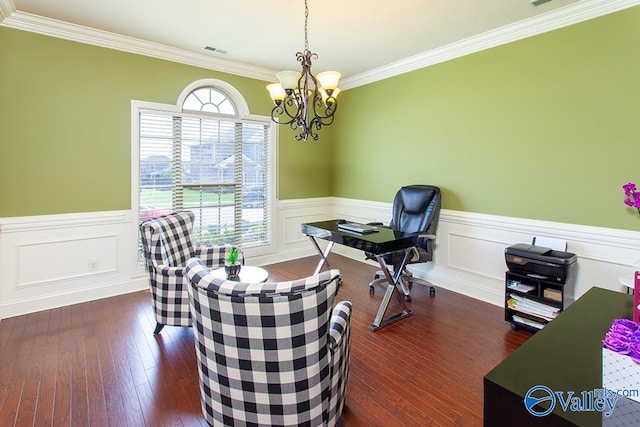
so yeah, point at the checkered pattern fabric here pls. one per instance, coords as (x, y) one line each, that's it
(167, 245)
(270, 354)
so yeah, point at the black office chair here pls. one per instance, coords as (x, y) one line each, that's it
(416, 209)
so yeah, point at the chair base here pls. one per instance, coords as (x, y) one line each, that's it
(405, 281)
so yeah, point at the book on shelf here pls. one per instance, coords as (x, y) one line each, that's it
(528, 322)
(553, 294)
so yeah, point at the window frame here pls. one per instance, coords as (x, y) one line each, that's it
(242, 114)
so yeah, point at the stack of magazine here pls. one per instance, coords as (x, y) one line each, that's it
(527, 321)
(529, 306)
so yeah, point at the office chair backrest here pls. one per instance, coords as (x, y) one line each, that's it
(416, 208)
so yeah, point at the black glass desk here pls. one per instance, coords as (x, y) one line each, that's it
(383, 241)
(564, 356)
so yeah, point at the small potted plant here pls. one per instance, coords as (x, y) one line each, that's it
(232, 263)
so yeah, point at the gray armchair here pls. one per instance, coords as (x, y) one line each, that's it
(168, 245)
(270, 353)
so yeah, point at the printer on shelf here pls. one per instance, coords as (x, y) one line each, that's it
(541, 262)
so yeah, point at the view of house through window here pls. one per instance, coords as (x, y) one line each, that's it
(206, 160)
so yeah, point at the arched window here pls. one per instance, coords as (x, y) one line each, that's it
(210, 100)
(208, 155)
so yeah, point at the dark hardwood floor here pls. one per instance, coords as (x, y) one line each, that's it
(98, 363)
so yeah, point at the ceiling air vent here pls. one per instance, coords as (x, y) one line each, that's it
(534, 3)
(218, 50)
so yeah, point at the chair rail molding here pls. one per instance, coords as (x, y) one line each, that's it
(55, 260)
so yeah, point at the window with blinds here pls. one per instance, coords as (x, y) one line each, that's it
(206, 160)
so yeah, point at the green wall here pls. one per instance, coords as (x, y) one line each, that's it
(544, 128)
(65, 133)
(304, 168)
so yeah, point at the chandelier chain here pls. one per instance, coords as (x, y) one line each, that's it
(306, 25)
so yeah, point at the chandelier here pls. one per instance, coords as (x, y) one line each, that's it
(303, 101)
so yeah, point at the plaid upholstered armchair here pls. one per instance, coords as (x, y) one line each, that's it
(270, 353)
(168, 245)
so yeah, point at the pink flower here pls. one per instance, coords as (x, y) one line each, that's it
(624, 338)
(634, 351)
(633, 196)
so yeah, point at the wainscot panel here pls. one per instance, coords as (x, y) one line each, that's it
(57, 260)
(469, 252)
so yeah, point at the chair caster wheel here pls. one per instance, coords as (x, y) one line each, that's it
(432, 290)
(407, 298)
(371, 289)
(514, 327)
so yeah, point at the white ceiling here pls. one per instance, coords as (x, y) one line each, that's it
(351, 36)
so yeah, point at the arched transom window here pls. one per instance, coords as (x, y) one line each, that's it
(209, 100)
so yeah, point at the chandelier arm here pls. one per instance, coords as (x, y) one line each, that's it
(291, 106)
(322, 121)
(317, 122)
(330, 105)
(306, 133)
(280, 111)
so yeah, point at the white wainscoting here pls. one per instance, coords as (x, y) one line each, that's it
(56, 260)
(469, 252)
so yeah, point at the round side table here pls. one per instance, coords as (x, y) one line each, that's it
(248, 274)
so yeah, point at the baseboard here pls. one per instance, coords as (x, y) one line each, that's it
(39, 303)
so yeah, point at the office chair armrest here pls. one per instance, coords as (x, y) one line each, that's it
(340, 324)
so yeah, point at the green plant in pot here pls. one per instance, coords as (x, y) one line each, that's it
(232, 263)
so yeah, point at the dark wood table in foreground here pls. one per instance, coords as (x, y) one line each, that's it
(564, 356)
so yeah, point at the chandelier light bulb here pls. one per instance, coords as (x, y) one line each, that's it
(277, 93)
(325, 95)
(288, 79)
(329, 80)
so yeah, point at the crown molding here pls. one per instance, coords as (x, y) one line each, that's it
(64, 30)
(7, 7)
(569, 15)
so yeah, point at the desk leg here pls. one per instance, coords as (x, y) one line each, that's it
(323, 255)
(379, 322)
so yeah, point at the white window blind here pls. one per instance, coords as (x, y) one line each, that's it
(214, 166)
